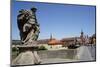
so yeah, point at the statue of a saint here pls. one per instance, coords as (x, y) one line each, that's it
(28, 25)
(29, 32)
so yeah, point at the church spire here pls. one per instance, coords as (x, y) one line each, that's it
(50, 36)
(82, 32)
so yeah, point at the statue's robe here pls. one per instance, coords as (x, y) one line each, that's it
(28, 26)
(21, 21)
(29, 31)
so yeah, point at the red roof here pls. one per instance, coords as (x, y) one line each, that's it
(54, 42)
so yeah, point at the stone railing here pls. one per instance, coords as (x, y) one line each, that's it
(64, 54)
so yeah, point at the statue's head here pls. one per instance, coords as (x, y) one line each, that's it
(33, 9)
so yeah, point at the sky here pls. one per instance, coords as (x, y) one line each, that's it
(60, 20)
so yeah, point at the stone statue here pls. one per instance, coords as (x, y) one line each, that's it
(29, 32)
(28, 25)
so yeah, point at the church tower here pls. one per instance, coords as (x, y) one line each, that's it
(50, 37)
(82, 34)
(82, 37)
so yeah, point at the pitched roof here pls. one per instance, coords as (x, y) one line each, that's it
(54, 42)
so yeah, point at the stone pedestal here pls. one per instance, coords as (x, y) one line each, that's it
(29, 32)
(27, 55)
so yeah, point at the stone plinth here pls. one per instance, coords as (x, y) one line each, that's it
(27, 55)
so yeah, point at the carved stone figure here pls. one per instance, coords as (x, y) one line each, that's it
(29, 32)
(28, 25)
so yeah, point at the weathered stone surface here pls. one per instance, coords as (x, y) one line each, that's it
(29, 31)
(63, 54)
(83, 54)
(28, 25)
(26, 58)
(92, 49)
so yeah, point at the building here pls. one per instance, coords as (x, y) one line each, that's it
(92, 39)
(53, 43)
(82, 38)
(68, 41)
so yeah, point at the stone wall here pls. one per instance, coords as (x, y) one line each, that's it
(67, 54)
